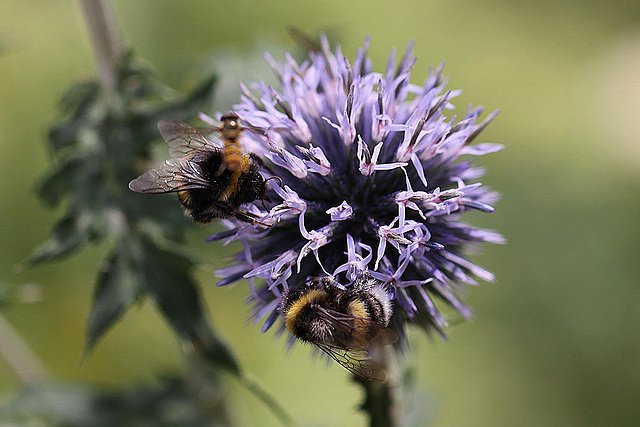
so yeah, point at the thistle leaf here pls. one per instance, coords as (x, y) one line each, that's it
(97, 147)
(167, 277)
(117, 287)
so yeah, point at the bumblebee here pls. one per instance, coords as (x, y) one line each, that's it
(211, 181)
(344, 322)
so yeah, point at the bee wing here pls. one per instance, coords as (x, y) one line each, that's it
(383, 336)
(365, 332)
(172, 175)
(182, 138)
(356, 361)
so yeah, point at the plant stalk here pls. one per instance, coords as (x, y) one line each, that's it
(106, 39)
(24, 364)
(381, 401)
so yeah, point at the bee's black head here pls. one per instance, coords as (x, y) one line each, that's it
(230, 119)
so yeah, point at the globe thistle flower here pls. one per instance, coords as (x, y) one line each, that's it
(375, 177)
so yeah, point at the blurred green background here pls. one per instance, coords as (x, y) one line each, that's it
(556, 341)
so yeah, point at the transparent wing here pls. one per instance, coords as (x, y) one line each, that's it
(356, 361)
(351, 331)
(182, 138)
(172, 175)
(383, 336)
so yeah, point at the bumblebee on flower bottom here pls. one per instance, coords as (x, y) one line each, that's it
(344, 322)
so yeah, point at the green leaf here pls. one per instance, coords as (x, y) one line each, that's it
(168, 280)
(119, 284)
(140, 267)
(100, 143)
(78, 103)
(175, 402)
(68, 235)
(66, 176)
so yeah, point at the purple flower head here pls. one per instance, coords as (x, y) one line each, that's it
(375, 177)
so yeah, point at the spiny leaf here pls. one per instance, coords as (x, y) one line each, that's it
(69, 234)
(140, 267)
(176, 401)
(118, 286)
(67, 175)
(168, 281)
(96, 146)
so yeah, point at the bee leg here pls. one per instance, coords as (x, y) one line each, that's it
(223, 210)
(249, 217)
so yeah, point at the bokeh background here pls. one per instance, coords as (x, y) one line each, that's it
(555, 341)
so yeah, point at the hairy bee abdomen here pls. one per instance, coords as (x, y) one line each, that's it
(233, 155)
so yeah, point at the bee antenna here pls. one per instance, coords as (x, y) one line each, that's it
(265, 197)
(274, 177)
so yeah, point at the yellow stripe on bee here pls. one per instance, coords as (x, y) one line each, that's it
(360, 324)
(294, 310)
(234, 179)
(233, 154)
(357, 309)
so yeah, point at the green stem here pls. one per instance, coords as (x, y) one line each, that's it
(201, 364)
(253, 385)
(106, 39)
(24, 364)
(381, 400)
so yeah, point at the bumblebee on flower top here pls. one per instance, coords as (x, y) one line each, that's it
(211, 181)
